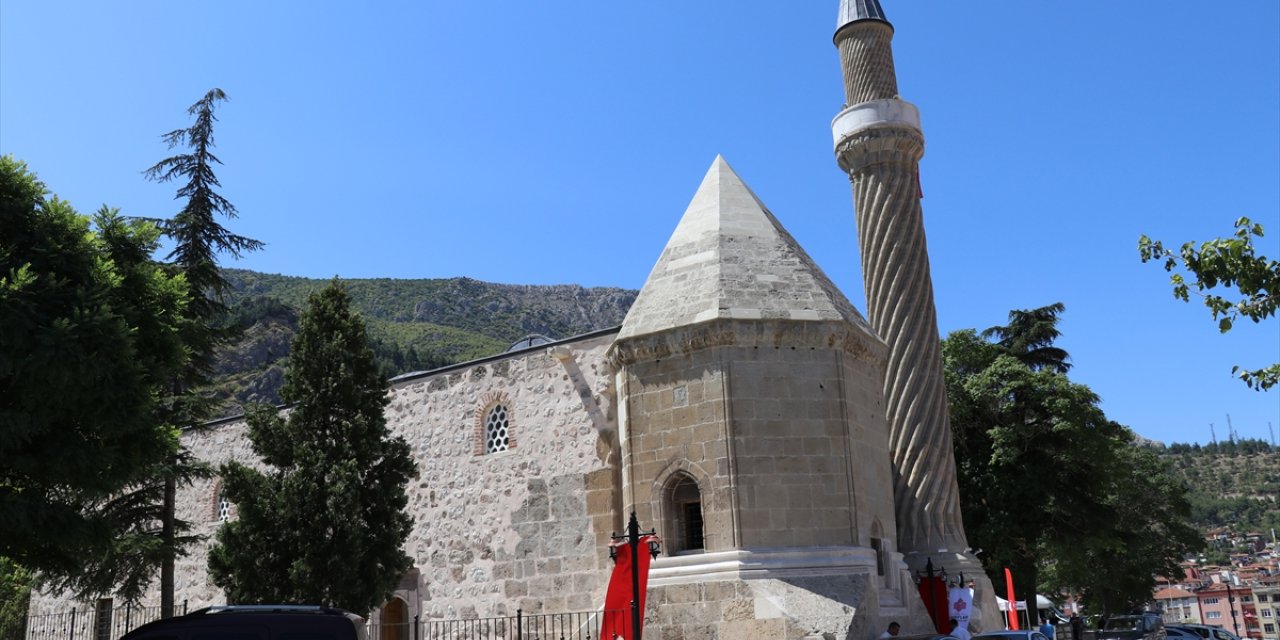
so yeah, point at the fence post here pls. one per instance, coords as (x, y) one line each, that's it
(71, 633)
(184, 606)
(519, 624)
(415, 628)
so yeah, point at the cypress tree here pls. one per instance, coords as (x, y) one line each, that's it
(326, 521)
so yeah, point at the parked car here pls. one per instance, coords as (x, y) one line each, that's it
(1031, 634)
(927, 636)
(1176, 632)
(1209, 632)
(1145, 626)
(256, 622)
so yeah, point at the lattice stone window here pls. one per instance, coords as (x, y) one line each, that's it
(224, 505)
(496, 429)
(495, 424)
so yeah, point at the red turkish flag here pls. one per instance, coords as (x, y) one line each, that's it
(616, 621)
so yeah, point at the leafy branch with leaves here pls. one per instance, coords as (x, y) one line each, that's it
(1230, 263)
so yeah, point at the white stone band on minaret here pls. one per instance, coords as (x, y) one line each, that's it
(872, 115)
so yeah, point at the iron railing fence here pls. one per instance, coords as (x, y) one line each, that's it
(107, 623)
(544, 626)
(101, 623)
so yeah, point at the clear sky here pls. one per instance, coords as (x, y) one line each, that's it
(559, 142)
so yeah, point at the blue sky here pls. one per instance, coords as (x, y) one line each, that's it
(559, 142)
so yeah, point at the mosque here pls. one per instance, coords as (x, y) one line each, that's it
(794, 457)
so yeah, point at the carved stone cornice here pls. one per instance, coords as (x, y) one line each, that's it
(771, 333)
(881, 145)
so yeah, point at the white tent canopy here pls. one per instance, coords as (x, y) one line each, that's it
(1041, 603)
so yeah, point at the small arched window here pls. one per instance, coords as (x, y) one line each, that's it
(496, 429)
(495, 425)
(224, 505)
(684, 503)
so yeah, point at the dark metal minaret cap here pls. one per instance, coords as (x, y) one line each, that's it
(852, 11)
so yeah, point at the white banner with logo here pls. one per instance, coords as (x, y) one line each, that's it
(961, 605)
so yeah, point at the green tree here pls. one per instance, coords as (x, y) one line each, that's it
(198, 241)
(1029, 337)
(326, 521)
(1230, 263)
(15, 596)
(1046, 481)
(89, 334)
(1030, 446)
(1148, 534)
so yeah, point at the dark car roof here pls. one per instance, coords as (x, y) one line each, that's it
(255, 622)
(1027, 634)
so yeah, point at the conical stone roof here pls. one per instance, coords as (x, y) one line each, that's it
(729, 258)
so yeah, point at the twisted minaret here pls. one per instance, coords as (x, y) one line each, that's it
(879, 143)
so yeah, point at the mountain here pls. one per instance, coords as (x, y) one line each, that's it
(1234, 484)
(414, 325)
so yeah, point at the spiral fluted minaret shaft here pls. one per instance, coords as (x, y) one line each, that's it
(880, 145)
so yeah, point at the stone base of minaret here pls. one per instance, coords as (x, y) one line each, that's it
(767, 594)
(986, 614)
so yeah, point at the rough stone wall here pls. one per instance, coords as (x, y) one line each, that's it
(524, 528)
(508, 530)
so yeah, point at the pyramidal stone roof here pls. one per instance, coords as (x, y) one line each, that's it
(729, 258)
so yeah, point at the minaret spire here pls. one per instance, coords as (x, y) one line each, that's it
(879, 143)
(855, 10)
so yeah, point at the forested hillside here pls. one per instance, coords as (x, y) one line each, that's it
(1233, 484)
(414, 325)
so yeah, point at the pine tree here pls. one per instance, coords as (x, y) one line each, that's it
(326, 522)
(198, 240)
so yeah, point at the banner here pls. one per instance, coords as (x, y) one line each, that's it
(1013, 600)
(616, 619)
(961, 599)
(933, 591)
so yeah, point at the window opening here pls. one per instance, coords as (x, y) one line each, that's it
(224, 505)
(877, 545)
(496, 430)
(686, 501)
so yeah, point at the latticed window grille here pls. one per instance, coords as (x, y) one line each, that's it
(224, 506)
(496, 430)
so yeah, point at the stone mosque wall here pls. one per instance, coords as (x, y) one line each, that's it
(526, 527)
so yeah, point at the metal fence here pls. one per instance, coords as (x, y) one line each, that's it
(107, 623)
(550, 626)
(101, 623)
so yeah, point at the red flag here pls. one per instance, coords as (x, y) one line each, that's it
(616, 621)
(934, 593)
(1013, 600)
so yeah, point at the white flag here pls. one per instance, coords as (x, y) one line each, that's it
(961, 605)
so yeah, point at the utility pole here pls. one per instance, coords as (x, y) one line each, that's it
(1213, 435)
(1231, 603)
(1231, 431)
(1273, 434)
